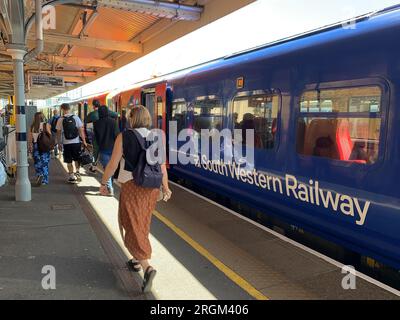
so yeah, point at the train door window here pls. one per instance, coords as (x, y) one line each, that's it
(179, 113)
(258, 113)
(342, 124)
(150, 104)
(207, 113)
(159, 112)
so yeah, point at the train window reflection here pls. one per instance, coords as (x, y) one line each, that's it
(207, 114)
(179, 113)
(259, 113)
(341, 124)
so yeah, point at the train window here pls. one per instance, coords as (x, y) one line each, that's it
(341, 124)
(259, 113)
(207, 113)
(179, 113)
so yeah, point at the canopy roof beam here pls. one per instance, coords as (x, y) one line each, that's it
(161, 9)
(95, 43)
(78, 61)
(75, 79)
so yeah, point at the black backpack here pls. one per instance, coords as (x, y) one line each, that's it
(144, 174)
(45, 141)
(70, 129)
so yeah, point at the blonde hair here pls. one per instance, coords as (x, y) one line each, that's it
(139, 117)
(37, 120)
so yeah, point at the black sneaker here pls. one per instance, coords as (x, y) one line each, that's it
(149, 275)
(78, 177)
(92, 169)
(72, 178)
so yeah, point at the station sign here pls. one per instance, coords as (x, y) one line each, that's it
(46, 81)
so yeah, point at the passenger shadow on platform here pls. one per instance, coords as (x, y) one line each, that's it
(211, 278)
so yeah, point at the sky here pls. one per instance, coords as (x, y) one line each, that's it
(261, 22)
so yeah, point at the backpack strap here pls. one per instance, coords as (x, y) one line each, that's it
(140, 139)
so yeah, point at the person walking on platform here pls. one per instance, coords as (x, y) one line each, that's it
(122, 121)
(136, 203)
(70, 127)
(53, 123)
(105, 132)
(90, 119)
(41, 159)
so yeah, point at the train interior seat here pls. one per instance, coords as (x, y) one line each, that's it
(344, 143)
(348, 150)
(330, 138)
(320, 138)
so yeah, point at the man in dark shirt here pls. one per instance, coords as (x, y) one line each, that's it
(90, 119)
(105, 132)
(53, 123)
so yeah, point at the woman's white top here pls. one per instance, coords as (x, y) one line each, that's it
(124, 175)
(35, 135)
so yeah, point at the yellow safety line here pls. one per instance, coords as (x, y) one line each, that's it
(223, 268)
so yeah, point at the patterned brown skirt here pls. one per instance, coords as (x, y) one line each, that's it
(136, 205)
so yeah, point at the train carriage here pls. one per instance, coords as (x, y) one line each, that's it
(326, 143)
(323, 108)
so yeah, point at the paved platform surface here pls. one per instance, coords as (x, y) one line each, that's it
(201, 251)
(48, 232)
(272, 266)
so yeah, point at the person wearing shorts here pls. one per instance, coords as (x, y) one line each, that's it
(71, 147)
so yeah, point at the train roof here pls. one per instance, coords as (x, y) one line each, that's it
(338, 25)
(373, 21)
(376, 20)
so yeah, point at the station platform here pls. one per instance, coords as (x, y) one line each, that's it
(201, 251)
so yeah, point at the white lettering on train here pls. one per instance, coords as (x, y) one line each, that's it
(240, 168)
(291, 187)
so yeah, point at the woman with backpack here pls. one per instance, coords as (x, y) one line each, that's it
(41, 159)
(137, 202)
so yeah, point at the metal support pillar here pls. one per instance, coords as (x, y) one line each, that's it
(23, 186)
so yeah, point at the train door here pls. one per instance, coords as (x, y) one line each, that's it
(116, 103)
(161, 106)
(150, 104)
(155, 102)
(80, 113)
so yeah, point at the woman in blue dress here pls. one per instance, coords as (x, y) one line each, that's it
(41, 159)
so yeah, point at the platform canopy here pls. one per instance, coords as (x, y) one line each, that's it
(86, 39)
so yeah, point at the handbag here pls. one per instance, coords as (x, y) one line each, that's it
(86, 157)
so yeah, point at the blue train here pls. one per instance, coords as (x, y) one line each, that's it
(327, 140)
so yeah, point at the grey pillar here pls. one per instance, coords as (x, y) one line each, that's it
(23, 185)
